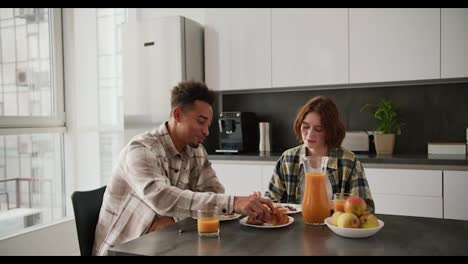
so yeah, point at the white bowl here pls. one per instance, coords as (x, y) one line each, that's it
(353, 232)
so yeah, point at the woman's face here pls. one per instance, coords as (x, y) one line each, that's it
(313, 134)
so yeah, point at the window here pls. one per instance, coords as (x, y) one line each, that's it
(95, 131)
(109, 22)
(31, 118)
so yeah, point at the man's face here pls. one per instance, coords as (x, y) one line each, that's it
(195, 123)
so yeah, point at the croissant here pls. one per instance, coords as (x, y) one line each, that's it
(280, 217)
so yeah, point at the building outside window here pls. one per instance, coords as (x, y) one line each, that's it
(31, 118)
(34, 189)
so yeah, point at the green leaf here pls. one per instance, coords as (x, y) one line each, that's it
(387, 116)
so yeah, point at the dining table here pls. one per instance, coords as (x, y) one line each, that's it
(400, 235)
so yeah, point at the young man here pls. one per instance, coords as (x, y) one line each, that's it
(164, 174)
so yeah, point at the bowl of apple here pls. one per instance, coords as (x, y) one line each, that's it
(354, 222)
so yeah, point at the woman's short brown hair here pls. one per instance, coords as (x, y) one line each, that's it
(329, 117)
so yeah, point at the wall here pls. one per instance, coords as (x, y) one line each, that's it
(435, 112)
(81, 102)
(56, 239)
(196, 14)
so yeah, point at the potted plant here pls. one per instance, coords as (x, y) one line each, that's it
(389, 123)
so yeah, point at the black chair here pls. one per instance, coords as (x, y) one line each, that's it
(86, 206)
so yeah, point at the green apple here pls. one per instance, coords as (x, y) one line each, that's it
(334, 219)
(355, 205)
(368, 221)
(348, 220)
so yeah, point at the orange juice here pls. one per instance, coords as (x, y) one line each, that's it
(315, 204)
(339, 205)
(339, 201)
(208, 225)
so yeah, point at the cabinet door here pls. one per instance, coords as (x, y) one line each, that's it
(394, 44)
(456, 195)
(239, 179)
(309, 46)
(406, 192)
(238, 48)
(267, 172)
(454, 42)
(217, 50)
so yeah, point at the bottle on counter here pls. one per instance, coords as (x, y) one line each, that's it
(264, 142)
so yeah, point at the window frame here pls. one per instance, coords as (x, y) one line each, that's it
(57, 87)
(53, 124)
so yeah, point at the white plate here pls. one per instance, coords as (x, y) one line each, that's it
(228, 217)
(298, 208)
(243, 221)
(354, 232)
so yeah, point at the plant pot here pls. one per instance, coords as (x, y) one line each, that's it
(384, 143)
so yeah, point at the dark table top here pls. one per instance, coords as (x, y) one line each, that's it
(401, 235)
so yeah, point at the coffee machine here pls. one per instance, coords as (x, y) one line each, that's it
(238, 132)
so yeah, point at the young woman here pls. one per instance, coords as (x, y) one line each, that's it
(319, 128)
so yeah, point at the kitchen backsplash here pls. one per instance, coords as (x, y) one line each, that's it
(433, 112)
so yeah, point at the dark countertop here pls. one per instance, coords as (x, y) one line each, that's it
(398, 159)
(401, 235)
(266, 156)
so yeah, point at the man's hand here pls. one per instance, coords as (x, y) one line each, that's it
(257, 208)
(255, 194)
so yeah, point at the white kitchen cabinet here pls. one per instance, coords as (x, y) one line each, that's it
(393, 44)
(238, 48)
(406, 192)
(239, 179)
(454, 42)
(456, 195)
(309, 46)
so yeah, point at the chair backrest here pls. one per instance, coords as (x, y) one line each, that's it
(86, 206)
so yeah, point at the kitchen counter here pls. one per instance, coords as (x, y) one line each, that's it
(416, 161)
(401, 235)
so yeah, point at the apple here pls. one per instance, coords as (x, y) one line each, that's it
(355, 205)
(348, 220)
(368, 221)
(334, 219)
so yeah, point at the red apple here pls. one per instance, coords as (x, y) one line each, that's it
(334, 219)
(355, 205)
(368, 221)
(348, 220)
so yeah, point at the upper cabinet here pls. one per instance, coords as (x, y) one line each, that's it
(309, 46)
(283, 47)
(394, 44)
(238, 48)
(454, 42)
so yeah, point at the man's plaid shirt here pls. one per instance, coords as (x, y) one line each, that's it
(344, 171)
(152, 179)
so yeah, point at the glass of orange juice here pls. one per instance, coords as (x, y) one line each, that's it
(339, 200)
(208, 222)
